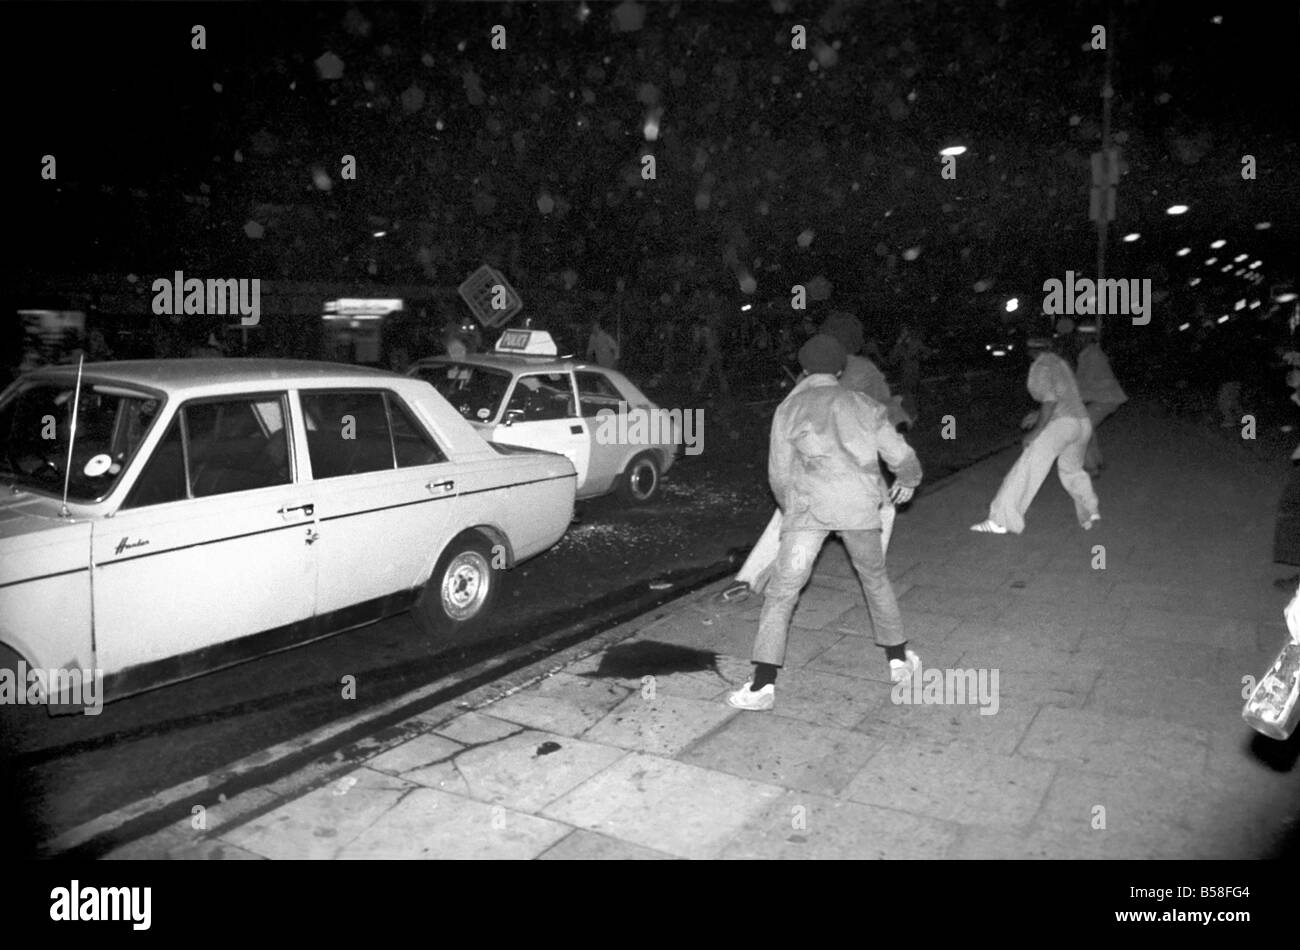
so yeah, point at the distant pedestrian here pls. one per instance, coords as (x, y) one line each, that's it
(1098, 388)
(602, 347)
(906, 357)
(1059, 433)
(824, 470)
(708, 344)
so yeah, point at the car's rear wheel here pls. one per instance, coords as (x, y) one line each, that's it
(640, 481)
(462, 589)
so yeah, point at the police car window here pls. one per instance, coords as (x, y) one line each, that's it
(474, 391)
(539, 397)
(596, 392)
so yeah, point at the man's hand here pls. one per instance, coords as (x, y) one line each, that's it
(1029, 421)
(900, 494)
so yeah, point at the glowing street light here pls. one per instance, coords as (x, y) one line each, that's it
(1184, 326)
(1211, 261)
(1183, 252)
(1218, 244)
(1193, 282)
(1176, 209)
(1255, 264)
(1013, 304)
(1131, 237)
(1223, 319)
(953, 150)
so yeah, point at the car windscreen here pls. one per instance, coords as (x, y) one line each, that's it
(36, 422)
(475, 391)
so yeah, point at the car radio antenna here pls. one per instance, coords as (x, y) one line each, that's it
(72, 435)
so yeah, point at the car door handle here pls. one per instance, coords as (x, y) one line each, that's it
(576, 430)
(443, 486)
(307, 509)
(312, 536)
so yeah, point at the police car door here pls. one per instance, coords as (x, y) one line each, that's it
(542, 413)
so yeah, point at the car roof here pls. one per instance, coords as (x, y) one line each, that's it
(182, 376)
(509, 364)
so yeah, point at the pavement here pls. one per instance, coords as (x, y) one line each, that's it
(1108, 726)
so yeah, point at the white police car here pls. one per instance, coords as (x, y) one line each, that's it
(524, 394)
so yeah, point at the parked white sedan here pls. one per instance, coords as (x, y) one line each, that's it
(524, 394)
(218, 509)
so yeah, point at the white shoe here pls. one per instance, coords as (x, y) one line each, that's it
(988, 527)
(900, 670)
(745, 698)
(1092, 520)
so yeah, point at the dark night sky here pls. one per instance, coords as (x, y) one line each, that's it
(116, 93)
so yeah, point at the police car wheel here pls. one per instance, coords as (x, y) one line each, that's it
(640, 482)
(462, 588)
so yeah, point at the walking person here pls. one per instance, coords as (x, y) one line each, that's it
(1098, 388)
(860, 375)
(602, 347)
(1060, 432)
(823, 466)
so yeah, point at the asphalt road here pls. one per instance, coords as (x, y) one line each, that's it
(61, 772)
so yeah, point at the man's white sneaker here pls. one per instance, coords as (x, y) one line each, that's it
(745, 698)
(900, 670)
(988, 527)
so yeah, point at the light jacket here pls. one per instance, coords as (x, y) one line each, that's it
(823, 461)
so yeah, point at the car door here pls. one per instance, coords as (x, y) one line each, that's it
(213, 542)
(600, 403)
(384, 491)
(541, 413)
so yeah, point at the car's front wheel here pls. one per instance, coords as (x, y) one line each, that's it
(640, 481)
(462, 588)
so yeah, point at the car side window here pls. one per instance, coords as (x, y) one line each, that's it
(214, 447)
(596, 393)
(163, 478)
(539, 397)
(411, 444)
(347, 432)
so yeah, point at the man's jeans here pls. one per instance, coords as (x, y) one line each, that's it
(793, 568)
(1064, 441)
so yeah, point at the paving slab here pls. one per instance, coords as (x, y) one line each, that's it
(582, 845)
(775, 750)
(323, 822)
(432, 825)
(567, 703)
(1115, 744)
(668, 806)
(953, 784)
(663, 726)
(802, 826)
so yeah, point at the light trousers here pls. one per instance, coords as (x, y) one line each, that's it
(1064, 441)
(794, 565)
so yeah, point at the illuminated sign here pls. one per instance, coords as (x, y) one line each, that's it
(527, 343)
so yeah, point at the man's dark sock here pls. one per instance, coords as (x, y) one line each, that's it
(764, 673)
(897, 653)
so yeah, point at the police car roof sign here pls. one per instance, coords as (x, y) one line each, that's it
(490, 297)
(527, 343)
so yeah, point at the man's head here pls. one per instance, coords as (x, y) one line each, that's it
(1036, 346)
(822, 354)
(846, 328)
